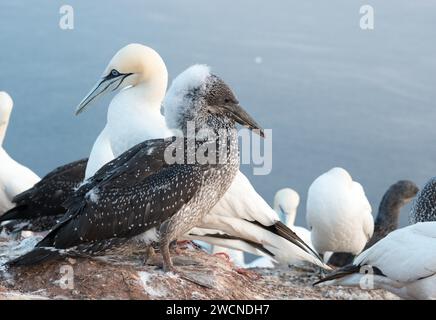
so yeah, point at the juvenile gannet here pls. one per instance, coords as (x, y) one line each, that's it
(424, 205)
(404, 263)
(14, 177)
(338, 213)
(142, 189)
(398, 195)
(140, 75)
(41, 206)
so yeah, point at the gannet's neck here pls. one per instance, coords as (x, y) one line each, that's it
(142, 98)
(288, 215)
(290, 218)
(3, 127)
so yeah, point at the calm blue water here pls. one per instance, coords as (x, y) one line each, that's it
(334, 95)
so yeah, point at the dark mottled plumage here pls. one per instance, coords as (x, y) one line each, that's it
(388, 214)
(40, 206)
(424, 206)
(141, 190)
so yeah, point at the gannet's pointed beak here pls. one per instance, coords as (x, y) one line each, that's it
(243, 118)
(106, 84)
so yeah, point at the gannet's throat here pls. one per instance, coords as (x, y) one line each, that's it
(6, 105)
(3, 128)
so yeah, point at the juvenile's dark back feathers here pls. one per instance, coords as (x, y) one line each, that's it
(128, 196)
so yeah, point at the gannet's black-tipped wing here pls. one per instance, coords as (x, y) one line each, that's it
(346, 271)
(339, 273)
(131, 195)
(47, 196)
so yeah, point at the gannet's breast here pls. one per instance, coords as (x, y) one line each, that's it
(144, 127)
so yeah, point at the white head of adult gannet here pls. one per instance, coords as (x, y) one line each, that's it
(14, 177)
(338, 213)
(140, 75)
(286, 203)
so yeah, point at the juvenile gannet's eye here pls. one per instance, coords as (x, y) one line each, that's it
(230, 100)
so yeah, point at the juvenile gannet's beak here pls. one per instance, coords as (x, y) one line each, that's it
(243, 118)
(109, 83)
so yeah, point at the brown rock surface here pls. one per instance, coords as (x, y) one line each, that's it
(126, 277)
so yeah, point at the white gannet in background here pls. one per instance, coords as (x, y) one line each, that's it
(286, 202)
(338, 213)
(133, 116)
(404, 263)
(397, 195)
(14, 177)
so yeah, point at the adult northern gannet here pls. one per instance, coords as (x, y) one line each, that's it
(142, 189)
(133, 116)
(338, 213)
(404, 263)
(286, 203)
(398, 195)
(424, 205)
(14, 177)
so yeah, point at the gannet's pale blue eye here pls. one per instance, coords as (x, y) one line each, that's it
(114, 73)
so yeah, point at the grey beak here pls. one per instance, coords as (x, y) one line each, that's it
(96, 91)
(105, 85)
(243, 118)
